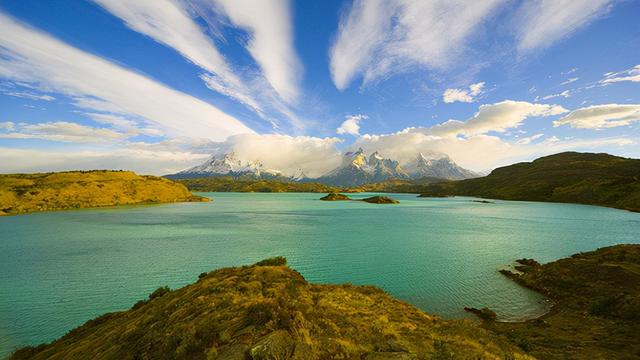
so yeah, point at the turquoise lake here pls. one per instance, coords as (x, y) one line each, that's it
(59, 269)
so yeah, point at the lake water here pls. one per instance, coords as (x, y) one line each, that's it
(59, 269)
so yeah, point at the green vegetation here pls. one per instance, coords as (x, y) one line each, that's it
(335, 197)
(230, 184)
(24, 193)
(584, 178)
(269, 311)
(397, 186)
(596, 312)
(381, 200)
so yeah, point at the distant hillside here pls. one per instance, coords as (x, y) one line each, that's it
(396, 186)
(571, 177)
(596, 313)
(230, 184)
(24, 193)
(269, 311)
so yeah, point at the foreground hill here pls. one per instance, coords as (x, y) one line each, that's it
(24, 193)
(597, 306)
(269, 311)
(571, 177)
(230, 184)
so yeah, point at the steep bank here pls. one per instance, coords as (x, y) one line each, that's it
(269, 311)
(596, 312)
(571, 177)
(25, 193)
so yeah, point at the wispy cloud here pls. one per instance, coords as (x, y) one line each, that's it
(376, 38)
(463, 95)
(564, 94)
(169, 23)
(31, 56)
(63, 131)
(29, 95)
(269, 25)
(570, 80)
(601, 116)
(541, 23)
(632, 75)
(351, 125)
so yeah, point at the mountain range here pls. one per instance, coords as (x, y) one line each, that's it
(357, 168)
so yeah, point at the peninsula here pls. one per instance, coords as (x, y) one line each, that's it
(25, 193)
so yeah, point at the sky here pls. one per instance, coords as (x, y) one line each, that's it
(157, 86)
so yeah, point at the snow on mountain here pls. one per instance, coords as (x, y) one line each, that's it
(437, 165)
(358, 169)
(229, 165)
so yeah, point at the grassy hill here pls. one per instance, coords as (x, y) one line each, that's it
(571, 177)
(230, 184)
(597, 306)
(269, 311)
(24, 193)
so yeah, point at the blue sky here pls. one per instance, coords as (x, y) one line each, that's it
(159, 85)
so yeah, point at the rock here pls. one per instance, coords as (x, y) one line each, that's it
(381, 200)
(335, 197)
(484, 313)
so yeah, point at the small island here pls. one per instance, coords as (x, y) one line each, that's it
(26, 193)
(381, 200)
(335, 197)
(371, 200)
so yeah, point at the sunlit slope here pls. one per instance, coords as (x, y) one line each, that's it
(571, 177)
(269, 311)
(23, 193)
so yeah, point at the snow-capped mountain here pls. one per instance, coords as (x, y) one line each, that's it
(437, 165)
(229, 165)
(358, 169)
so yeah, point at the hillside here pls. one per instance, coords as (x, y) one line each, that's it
(230, 184)
(269, 311)
(571, 177)
(24, 193)
(596, 314)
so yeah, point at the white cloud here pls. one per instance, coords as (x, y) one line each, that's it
(351, 125)
(63, 131)
(31, 56)
(529, 140)
(632, 75)
(168, 22)
(30, 96)
(378, 37)
(157, 162)
(564, 94)
(541, 23)
(570, 80)
(269, 24)
(601, 116)
(7, 125)
(462, 95)
(124, 124)
(496, 117)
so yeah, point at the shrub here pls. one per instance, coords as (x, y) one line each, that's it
(161, 291)
(274, 261)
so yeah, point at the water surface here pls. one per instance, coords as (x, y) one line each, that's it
(60, 269)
